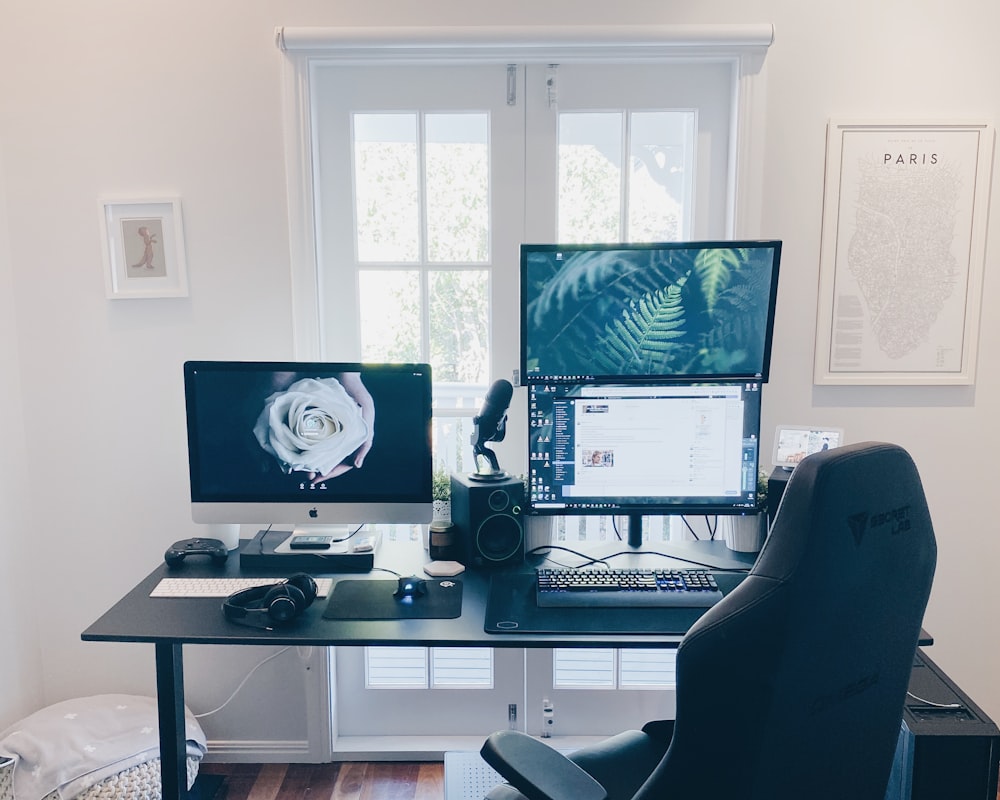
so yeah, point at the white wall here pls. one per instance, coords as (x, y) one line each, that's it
(184, 97)
(19, 666)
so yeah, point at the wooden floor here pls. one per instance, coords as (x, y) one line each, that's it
(341, 781)
(344, 781)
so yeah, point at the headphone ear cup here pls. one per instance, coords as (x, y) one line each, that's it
(283, 602)
(305, 584)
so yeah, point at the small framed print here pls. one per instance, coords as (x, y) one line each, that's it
(143, 243)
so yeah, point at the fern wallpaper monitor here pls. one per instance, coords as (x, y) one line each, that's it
(673, 309)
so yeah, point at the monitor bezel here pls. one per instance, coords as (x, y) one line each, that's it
(527, 248)
(415, 507)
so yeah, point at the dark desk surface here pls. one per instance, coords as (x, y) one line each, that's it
(139, 618)
(169, 623)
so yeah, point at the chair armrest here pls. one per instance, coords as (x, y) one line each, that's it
(538, 771)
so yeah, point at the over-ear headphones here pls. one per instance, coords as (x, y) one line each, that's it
(271, 605)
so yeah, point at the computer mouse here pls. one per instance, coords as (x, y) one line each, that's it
(411, 586)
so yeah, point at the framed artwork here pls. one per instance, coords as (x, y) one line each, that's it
(143, 244)
(901, 263)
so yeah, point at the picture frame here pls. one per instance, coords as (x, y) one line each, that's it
(143, 247)
(902, 253)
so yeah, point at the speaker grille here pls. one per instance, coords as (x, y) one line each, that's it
(499, 500)
(499, 538)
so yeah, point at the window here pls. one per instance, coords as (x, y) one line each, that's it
(428, 668)
(425, 167)
(410, 174)
(625, 176)
(606, 668)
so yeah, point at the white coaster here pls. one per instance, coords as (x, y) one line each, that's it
(443, 569)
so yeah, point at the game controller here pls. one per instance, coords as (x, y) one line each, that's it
(178, 551)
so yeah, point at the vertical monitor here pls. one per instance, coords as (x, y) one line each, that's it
(643, 448)
(309, 443)
(666, 310)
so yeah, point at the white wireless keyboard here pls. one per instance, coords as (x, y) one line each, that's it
(222, 587)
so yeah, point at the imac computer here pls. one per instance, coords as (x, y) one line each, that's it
(312, 446)
(641, 448)
(674, 309)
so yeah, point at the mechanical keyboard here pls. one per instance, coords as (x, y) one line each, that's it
(624, 588)
(222, 587)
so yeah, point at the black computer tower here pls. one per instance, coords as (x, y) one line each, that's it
(947, 748)
(776, 483)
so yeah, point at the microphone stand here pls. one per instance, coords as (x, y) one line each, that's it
(481, 452)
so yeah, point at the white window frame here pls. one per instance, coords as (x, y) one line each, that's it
(429, 667)
(612, 668)
(743, 47)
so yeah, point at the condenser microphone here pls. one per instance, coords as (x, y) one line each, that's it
(490, 425)
(491, 422)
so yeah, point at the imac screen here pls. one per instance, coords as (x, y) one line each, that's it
(672, 448)
(692, 310)
(309, 442)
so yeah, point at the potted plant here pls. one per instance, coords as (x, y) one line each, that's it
(745, 533)
(441, 493)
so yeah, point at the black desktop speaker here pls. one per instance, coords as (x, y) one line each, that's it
(487, 514)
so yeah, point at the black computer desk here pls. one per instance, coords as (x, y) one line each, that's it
(173, 622)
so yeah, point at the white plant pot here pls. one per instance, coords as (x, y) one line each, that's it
(441, 513)
(442, 510)
(744, 533)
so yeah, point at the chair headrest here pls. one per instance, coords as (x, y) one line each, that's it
(859, 502)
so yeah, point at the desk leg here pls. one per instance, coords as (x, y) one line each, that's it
(170, 707)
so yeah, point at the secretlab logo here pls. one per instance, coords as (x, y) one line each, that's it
(897, 520)
(835, 698)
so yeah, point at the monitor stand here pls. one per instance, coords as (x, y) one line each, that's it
(339, 532)
(635, 531)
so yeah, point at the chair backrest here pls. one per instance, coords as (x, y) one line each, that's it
(793, 686)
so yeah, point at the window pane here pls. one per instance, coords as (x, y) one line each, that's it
(468, 667)
(386, 187)
(396, 666)
(457, 176)
(459, 317)
(390, 315)
(451, 439)
(660, 191)
(590, 177)
(583, 667)
(647, 668)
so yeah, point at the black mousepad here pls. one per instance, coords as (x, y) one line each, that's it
(511, 608)
(373, 599)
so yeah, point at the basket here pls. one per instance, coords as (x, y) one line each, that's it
(141, 782)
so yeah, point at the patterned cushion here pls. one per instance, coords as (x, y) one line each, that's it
(108, 744)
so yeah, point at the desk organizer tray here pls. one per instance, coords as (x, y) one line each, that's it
(511, 608)
(262, 554)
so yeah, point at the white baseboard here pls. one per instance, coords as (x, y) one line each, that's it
(268, 751)
(361, 748)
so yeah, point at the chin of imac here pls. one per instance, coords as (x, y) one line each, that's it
(301, 515)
